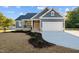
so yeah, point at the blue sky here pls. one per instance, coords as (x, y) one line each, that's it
(16, 11)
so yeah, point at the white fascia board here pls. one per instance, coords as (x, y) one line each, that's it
(52, 18)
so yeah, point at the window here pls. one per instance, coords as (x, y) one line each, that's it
(19, 23)
(52, 13)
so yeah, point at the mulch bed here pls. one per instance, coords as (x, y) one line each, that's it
(37, 40)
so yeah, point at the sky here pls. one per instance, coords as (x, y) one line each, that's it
(16, 11)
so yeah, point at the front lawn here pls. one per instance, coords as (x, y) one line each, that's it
(19, 42)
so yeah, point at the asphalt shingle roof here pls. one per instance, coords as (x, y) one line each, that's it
(27, 16)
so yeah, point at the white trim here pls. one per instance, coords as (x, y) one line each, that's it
(64, 25)
(40, 25)
(32, 24)
(38, 13)
(52, 18)
(45, 13)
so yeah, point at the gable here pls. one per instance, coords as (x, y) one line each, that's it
(51, 13)
(40, 14)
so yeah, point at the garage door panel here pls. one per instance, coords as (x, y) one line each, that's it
(52, 26)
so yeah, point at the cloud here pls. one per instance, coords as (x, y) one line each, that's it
(67, 9)
(21, 13)
(6, 6)
(40, 8)
(11, 12)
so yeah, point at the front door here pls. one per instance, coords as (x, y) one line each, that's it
(36, 25)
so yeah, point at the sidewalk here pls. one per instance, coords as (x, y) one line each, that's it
(73, 32)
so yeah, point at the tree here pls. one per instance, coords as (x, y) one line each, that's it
(2, 19)
(8, 22)
(72, 20)
(5, 22)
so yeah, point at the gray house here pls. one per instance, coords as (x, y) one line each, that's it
(46, 20)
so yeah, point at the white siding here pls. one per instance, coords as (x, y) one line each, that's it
(52, 26)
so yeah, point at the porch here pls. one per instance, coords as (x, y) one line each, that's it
(33, 25)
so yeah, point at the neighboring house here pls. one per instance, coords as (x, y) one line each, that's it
(46, 20)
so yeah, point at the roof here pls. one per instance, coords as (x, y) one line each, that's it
(27, 16)
(44, 13)
(40, 13)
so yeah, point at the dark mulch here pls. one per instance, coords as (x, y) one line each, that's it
(18, 31)
(37, 40)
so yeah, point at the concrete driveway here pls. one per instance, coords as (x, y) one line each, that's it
(62, 38)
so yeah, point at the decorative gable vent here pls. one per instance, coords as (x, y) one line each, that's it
(52, 13)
